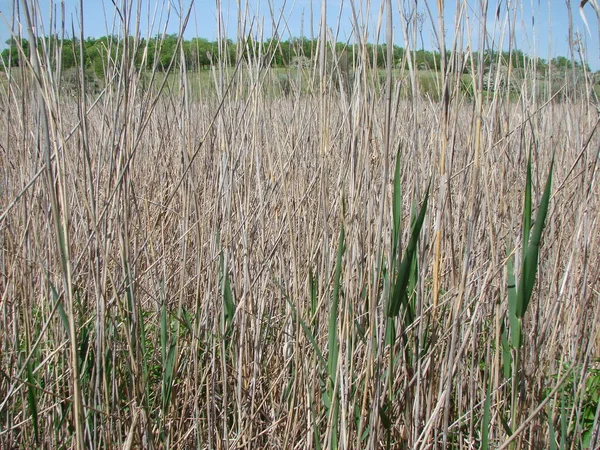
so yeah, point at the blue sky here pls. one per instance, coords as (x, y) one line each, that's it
(540, 26)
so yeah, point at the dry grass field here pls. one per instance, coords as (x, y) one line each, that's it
(343, 264)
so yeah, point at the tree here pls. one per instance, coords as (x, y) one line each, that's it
(11, 56)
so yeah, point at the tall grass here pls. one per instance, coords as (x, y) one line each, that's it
(228, 264)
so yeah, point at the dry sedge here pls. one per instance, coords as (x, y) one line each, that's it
(349, 249)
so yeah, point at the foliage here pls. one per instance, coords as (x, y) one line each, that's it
(199, 53)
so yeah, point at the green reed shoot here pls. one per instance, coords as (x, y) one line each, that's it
(519, 296)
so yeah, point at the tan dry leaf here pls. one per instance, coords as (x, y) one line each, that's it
(596, 7)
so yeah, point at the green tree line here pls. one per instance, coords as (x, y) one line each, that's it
(160, 52)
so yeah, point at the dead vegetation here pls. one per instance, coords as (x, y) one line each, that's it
(217, 273)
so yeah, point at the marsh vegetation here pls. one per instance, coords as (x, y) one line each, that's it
(308, 257)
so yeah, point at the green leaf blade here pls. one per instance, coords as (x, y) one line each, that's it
(399, 295)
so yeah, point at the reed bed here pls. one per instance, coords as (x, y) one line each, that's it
(229, 269)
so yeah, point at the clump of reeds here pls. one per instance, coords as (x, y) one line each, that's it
(202, 259)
